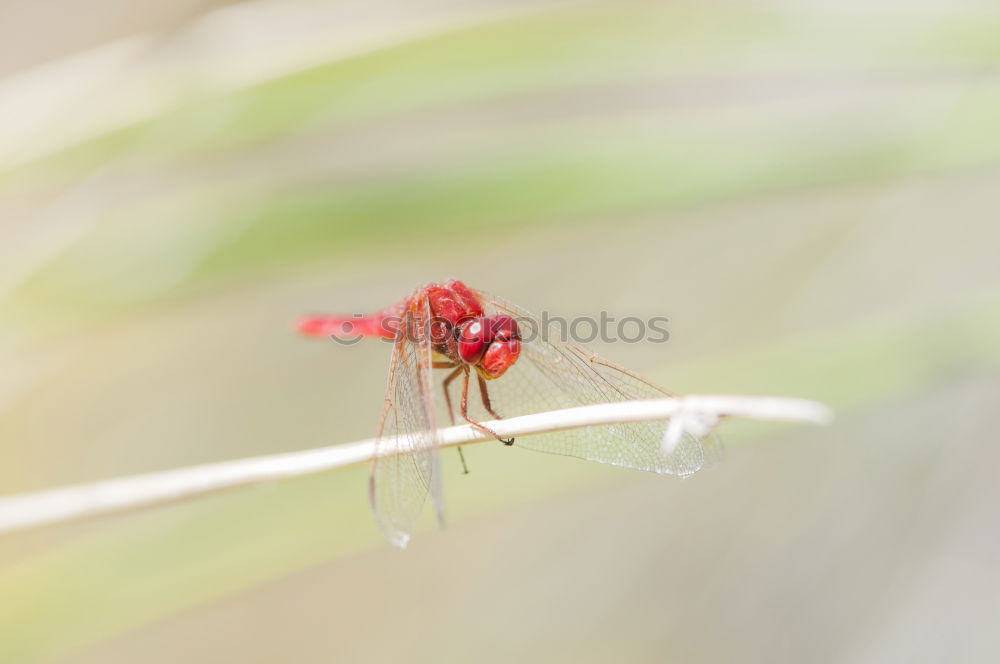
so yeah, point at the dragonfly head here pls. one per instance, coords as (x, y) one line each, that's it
(491, 343)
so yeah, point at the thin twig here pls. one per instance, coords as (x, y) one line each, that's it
(30, 510)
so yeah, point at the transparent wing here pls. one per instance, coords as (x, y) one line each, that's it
(552, 373)
(406, 466)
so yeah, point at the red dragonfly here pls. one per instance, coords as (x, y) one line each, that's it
(518, 368)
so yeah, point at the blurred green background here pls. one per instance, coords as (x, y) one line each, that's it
(810, 191)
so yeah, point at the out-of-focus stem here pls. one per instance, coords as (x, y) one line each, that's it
(30, 510)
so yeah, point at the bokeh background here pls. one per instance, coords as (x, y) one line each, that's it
(810, 191)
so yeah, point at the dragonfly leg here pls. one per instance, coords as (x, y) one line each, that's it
(447, 399)
(464, 409)
(447, 381)
(486, 398)
(484, 393)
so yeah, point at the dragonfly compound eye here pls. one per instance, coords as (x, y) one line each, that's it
(499, 357)
(472, 341)
(504, 328)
